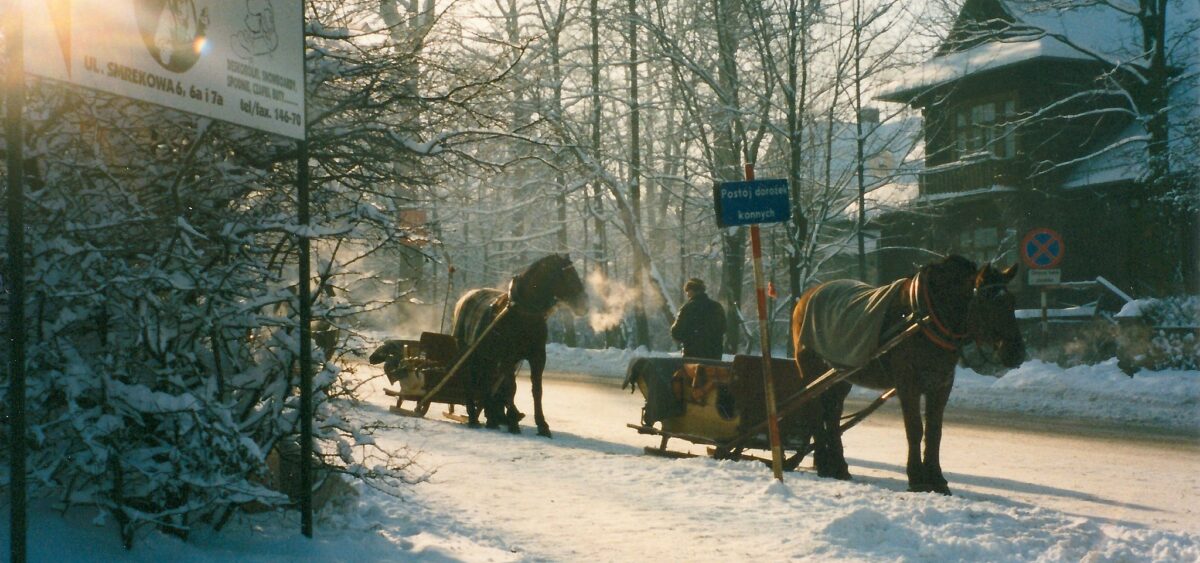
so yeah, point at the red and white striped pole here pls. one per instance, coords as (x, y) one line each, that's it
(764, 336)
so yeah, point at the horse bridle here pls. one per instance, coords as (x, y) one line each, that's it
(519, 306)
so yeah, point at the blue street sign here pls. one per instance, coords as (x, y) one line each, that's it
(752, 201)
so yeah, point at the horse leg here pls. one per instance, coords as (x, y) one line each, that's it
(537, 363)
(935, 407)
(822, 416)
(910, 407)
(832, 402)
(506, 400)
(473, 385)
(493, 404)
(493, 409)
(810, 366)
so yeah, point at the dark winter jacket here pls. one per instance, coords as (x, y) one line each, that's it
(700, 327)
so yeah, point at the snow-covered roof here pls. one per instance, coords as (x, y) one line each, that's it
(1041, 31)
(1092, 30)
(949, 68)
(968, 193)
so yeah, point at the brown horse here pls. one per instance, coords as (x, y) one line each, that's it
(520, 335)
(962, 303)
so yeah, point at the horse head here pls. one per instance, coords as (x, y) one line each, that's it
(991, 316)
(569, 287)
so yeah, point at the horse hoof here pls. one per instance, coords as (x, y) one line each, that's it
(943, 489)
(920, 488)
(514, 429)
(839, 475)
(473, 424)
(544, 432)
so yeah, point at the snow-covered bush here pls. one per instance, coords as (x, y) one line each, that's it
(162, 285)
(1160, 334)
(1069, 344)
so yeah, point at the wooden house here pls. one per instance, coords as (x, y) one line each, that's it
(1035, 122)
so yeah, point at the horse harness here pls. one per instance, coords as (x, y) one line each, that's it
(921, 310)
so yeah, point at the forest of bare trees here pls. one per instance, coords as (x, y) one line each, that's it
(620, 117)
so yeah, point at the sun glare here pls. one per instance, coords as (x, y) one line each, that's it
(200, 45)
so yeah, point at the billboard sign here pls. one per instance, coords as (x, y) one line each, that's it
(240, 61)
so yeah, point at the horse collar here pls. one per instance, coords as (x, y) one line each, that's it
(936, 330)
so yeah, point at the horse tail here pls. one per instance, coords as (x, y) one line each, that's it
(798, 314)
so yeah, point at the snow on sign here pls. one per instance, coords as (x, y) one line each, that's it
(240, 61)
(752, 201)
(1042, 249)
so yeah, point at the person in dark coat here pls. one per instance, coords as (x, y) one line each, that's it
(700, 326)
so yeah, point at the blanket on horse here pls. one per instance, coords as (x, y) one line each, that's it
(844, 318)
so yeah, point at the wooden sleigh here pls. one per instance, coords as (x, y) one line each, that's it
(427, 370)
(424, 370)
(722, 404)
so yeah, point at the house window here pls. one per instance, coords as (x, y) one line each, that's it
(986, 128)
(988, 244)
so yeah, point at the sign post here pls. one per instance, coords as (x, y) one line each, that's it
(753, 202)
(14, 104)
(1042, 250)
(240, 62)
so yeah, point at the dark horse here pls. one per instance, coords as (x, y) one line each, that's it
(520, 335)
(963, 303)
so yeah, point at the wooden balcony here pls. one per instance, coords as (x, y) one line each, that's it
(972, 174)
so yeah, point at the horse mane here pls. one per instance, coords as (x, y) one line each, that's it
(960, 262)
(560, 260)
(951, 280)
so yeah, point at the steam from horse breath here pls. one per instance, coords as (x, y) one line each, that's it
(609, 301)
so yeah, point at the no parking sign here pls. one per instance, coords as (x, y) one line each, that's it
(1042, 250)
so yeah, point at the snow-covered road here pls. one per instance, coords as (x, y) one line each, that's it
(1100, 472)
(590, 493)
(1112, 479)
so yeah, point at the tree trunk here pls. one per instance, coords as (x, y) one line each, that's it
(795, 93)
(642, 334)
(728, 147)
(858, 143)
(601, 249)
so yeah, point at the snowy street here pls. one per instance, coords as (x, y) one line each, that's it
(590, 493)
(1113, 480)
